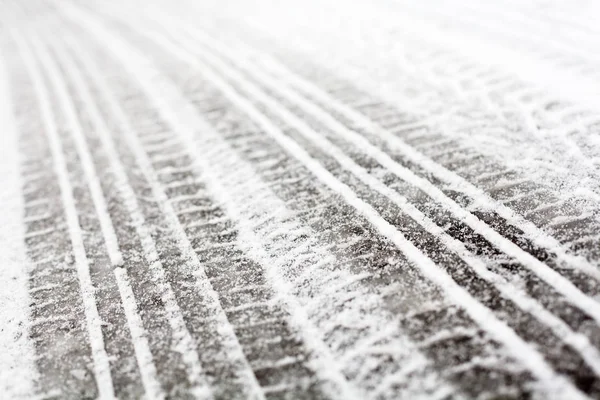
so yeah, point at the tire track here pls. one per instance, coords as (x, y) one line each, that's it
(206, 325)
(337, 335)
(265, 124)
(585, 379)
(333, 326)
(457, 188)
(452, 106)
(214, 240)
(99, 239)
(171, 344)
(354, 243)
(98, 378)
(513, 228)
(227, 279)
(501, 217)
(232, 220)
(501, 183)
(508, 290)
(179, 269)
(143, 354)
(474, 241)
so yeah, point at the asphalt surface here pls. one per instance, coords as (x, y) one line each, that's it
(300, 200)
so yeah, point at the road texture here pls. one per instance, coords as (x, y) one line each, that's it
(233, 199)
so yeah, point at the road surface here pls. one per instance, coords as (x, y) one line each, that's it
(300, 200)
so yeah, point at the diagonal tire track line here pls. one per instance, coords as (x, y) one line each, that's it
(196, 124)
(201, 37)
(541, 269)
(494, 362)
(205, 158)
(481, 314)
(257, 152)
(399, 377)
(179, 123)
(100, 253)
(552, 277)
(526, 303)
(229, 336)
(561, 329)
(141, 147)
(176, 320)
(82, 149)
(55, 276)
(135, 326)
(101, 363)
(538, 236)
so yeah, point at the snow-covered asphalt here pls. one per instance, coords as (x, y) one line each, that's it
(252, 199)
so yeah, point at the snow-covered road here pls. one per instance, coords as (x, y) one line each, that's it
(234, 199)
